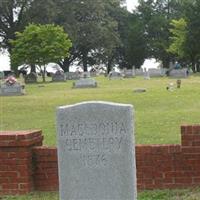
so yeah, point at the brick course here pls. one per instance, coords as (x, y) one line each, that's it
(26, 165)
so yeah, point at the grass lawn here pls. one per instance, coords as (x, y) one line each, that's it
(189, 194)
(158, 112)
(158, 115)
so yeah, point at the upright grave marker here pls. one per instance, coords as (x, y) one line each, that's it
(96, 152)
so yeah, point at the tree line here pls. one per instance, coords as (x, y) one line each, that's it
(104, 32)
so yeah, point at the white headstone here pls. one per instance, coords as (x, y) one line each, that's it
(96, 152)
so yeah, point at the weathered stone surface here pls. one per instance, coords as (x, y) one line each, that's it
(129, 73)
(72, 75)
(114, 75)
(156, 72)
(11, 90)
(179, 73)
(96, 152)
(85, 83)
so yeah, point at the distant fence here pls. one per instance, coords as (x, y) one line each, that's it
(26, 165)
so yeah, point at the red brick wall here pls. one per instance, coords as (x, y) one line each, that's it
(158, 166)
(45, 169)
(16, 173)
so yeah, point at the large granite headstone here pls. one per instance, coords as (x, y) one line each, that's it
(96, 152)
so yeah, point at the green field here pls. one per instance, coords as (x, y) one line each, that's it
(158, 115)
(158, 112)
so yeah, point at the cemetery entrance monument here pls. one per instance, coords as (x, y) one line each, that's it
(96, 151)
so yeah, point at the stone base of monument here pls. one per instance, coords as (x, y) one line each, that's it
(85, 83)
(12, 90)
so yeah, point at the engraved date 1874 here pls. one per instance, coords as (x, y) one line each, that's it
(94, 160)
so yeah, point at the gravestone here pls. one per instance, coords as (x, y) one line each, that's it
(129, 73)
(179, 73)
(156, 72)
(85, 75)
(146, 75)
(31, 78)
(85, 83)
(96, 152)
(59, 76)
(72, 75)
(1, 75)
(114, 75)
(93, 73)
(139, 72)
(11, 87)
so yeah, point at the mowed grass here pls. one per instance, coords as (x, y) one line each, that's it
(158, 116)
(158, 112)
(189, 194)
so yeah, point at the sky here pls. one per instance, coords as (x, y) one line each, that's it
(131, 4)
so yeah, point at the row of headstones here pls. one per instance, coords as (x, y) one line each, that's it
(130, 73)
(11, 87)
(61, 76)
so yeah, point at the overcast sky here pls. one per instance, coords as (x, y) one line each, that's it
(131, 4)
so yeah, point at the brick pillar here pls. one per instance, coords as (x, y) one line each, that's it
(190, 138)
(16, 160)
(190, 135)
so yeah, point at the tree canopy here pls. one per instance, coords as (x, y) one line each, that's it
(104, 32)
(40, 45)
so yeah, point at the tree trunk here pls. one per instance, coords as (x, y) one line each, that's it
(43, 74)
(109, 66)
(198, 67)
(193, 66)
(33, 69)
(84, 60)
(65, 64)
(166, 62)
